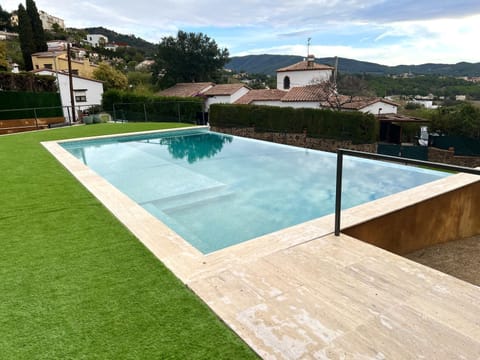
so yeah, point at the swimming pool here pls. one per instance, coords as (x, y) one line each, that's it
(217, 190)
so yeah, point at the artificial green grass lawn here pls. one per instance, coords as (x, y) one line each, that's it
(75, 283)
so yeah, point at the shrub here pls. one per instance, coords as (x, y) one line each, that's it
(358, 127)
(27, 82)
(45, 104)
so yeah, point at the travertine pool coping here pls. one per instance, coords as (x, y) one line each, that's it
(301, 292)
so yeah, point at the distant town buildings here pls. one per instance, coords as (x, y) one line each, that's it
(57, 45)
(57, 61)
(4, 35)
(96, 40)
(49, 20)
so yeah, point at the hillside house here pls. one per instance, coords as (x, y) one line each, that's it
(315, 97)
(187, 89)
(303, 73)
(48, 20)
(57, 61)
(57, 45)
(224, 94)
(305, 84)
(96, 40)
(87, 92)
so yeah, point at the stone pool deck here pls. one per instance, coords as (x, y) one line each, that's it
(303, 293)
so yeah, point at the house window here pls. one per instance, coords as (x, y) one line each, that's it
(48, 66)
(74, 71)
(286, 83)
(80, 95)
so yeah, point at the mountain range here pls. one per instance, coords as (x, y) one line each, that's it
(268, 64)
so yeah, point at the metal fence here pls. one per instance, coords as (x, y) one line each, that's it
(40, 117)
(175, 111)
(342, 152)
(409, 151)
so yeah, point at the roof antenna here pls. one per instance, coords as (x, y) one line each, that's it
(308, 47)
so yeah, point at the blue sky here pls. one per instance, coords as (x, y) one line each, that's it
(385, 32)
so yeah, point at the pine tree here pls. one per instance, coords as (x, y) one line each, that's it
(37, 27)
(25, 35)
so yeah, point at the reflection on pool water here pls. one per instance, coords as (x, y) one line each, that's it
(217, 190)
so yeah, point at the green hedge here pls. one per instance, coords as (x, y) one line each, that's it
(46, 104)
(129, 106)
(27, 82)
(358, 127)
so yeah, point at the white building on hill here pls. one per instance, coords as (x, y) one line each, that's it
(48, 21)
(303, 73)
(96, 40)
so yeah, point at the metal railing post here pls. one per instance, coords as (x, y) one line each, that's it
(406, 161)
(145, 112)
(338, 191)
(36, 120)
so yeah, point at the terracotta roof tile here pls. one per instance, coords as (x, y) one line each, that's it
(358, 102)
(224, 89)
(187, 89)
(306, 93)
(319, 92)
(305, 66)
(261, 95)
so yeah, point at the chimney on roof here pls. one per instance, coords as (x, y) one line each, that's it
(310, 60)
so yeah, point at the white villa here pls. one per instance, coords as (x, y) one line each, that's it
(87, 92)
(96, 40)
(224, 94)
(303, 73)
(301, 85)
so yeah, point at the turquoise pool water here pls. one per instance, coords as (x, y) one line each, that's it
(217, 190)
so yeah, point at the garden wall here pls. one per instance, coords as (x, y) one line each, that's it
(449, 157)
(296, 139)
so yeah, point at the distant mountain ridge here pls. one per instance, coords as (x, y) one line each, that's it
(268, 64)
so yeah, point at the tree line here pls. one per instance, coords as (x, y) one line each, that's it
(30, 32)
(439, 86)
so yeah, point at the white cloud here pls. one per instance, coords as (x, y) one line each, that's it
(368, 30)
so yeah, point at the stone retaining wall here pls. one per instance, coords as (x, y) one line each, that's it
(449, 157)
(302, 140)
(297, 139)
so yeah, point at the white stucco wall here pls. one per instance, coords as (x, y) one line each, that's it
(93, 93)
(296, 105)
(428, 104)
(303, 104)
(303, 78)
(267, 103)
(386, 108)
(225, 99)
